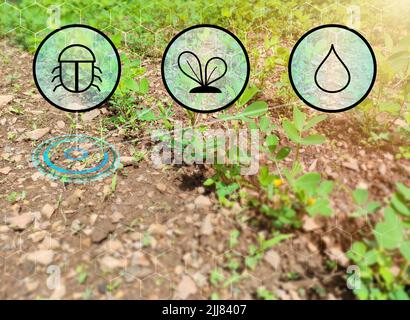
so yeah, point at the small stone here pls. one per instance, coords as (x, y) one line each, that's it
(110, 263)
(35, 176)
(44, 257)
(273, 258)
(382, 169)
(47, 210)
(49, 244)
(32, 285)
(337, 254)
(116, 217)
(36, 134)
(157, 228)
(310, 224)
(351, 164)
(75, 197)
(185, 288)
(5, 99)
(161, 187)
(113, 246)
(21, 221)
(5, 170)
(38, 236)
(90, 115)
(139, 259)
(101, 231)
(60, 124)
(206, 226)
(202, 202)
(135, 272)
(127, 161)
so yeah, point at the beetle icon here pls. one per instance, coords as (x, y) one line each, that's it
(76, 69)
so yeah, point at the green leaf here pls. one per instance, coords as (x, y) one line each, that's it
(264, 124)
(272, 142)
(314, 121)
(360, 196)
(387, 275)
(308, 181)
(321, 206)
(265, 178)
(404, 191)
(359, 248)
(389, 233)
(256, 109)
(372, 206)
(248, 94)
(298, 119)
(291, 131)
(405, 250)
(313, 139)
(208, 182)
(390, 107)
(283, 153)
(370, 257)
(399, 205)
(144, 86)
(274, 241)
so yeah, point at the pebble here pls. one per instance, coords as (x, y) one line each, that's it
(90, 115)
(127, 161)
(186, 287)
(47, 210)
(110, 263)
(202, 202)
(5, 99)
(44, 257)
(157, 228)
(116, 217)
(60, 124)
(206, 226)
(101, 231)
(36, 134)
(21, 221)
(5, 170)
(273, 258)
(161, 187)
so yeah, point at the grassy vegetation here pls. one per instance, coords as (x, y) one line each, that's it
(283, 192)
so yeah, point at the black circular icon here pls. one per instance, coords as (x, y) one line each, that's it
(76, 68)
(332, 68)
(202, 55)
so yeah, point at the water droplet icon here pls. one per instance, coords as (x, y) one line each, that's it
(332, 73)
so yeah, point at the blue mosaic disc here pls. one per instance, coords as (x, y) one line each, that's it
(76, 158)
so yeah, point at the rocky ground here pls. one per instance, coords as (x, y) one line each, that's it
(159, 234)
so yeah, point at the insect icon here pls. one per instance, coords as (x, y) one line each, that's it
(191, 62)
(76, 69)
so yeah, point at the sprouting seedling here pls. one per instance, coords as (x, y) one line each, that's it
(77, 61)
(342, 70)
(191, 62)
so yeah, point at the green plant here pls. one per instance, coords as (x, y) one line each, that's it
(298, 130)
(364, 206)
(384, 260)
(256, 253)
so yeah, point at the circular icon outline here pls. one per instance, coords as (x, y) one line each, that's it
(76, 25)
(341, 27)
(214, 27)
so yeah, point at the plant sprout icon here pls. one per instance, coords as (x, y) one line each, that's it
(76, 69)
(335, 68)
(204, 82)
